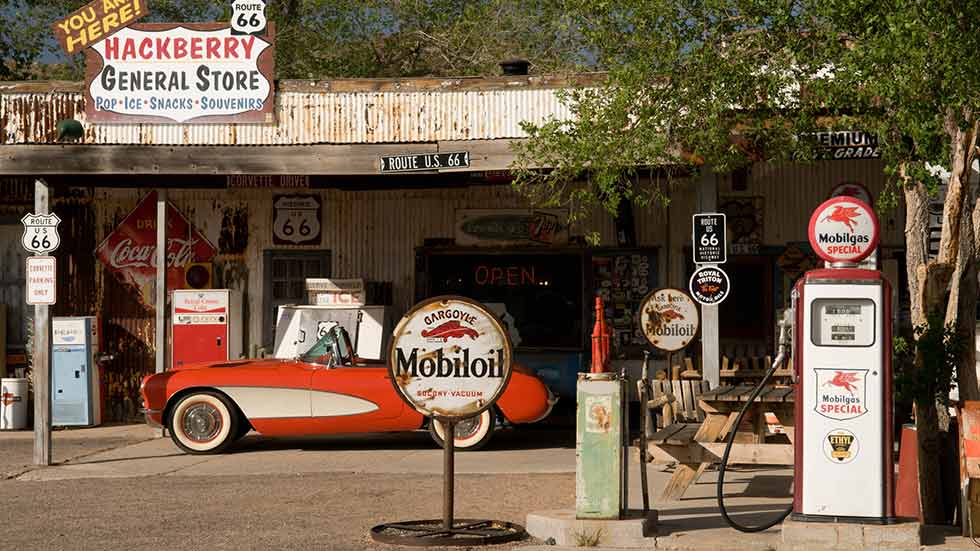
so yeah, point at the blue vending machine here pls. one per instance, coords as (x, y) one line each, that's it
(75, 384)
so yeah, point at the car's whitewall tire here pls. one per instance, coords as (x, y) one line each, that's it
(471, 434)
(203, 422)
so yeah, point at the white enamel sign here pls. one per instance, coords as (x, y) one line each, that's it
(248, 16)
(40, 233)
(180, 73)
(296, 220)
(669, 319)
(843, 229)
(450, 357)
(42, 280)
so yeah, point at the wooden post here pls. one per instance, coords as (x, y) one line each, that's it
(710, 348)
(161, 281)
(42, 356)
(161, 286)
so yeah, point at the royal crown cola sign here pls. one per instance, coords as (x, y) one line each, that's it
(450, 357)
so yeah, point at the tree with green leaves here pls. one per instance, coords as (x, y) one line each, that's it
(721, 84)
(337, 38)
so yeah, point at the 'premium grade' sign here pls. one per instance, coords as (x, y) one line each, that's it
(424, 161)
(450, 357)
(180, 73)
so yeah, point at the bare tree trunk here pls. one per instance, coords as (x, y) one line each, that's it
(928, 283)
(927, 286)
(962, 306)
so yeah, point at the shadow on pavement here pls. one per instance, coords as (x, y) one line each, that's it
(705, 518)
(521, 438)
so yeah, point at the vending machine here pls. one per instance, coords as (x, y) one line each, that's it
(844, 466)
(205, 326)
(76, 397)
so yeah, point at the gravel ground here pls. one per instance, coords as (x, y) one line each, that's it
(333, 511)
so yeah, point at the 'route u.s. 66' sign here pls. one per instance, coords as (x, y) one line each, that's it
(450, 358)
(843, 229)
(40, 233)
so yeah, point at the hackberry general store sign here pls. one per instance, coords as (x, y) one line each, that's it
(180, 73)
(450, 357)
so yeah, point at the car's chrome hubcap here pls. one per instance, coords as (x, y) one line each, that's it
(202, 422)
(467, 427)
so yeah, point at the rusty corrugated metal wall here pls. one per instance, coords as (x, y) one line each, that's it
(318, 116)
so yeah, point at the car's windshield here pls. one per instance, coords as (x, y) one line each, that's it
(323, 352)
(332, 349)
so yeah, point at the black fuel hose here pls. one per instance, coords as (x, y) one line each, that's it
(728, 448)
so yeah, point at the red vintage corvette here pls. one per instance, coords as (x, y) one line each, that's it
(207, 407)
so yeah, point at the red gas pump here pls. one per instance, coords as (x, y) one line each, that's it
(842, 358)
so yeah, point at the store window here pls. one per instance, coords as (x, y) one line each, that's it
(539, 294)
(284, 281)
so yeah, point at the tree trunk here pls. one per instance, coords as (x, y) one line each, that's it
(962, 306)
(933, 281)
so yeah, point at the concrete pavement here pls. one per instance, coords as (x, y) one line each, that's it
(691, 523)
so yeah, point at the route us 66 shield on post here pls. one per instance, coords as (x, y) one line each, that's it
(296, 220)
(40, 233)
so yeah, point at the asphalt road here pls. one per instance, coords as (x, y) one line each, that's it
(330, 511)
(282, 502)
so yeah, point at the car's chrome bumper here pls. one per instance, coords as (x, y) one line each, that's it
(149, 414)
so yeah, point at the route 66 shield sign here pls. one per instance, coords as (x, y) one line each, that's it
(248, 16)
(296, 220)
(40, 233)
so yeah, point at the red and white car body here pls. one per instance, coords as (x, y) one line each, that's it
(207, 406)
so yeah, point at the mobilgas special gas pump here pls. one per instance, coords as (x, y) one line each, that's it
(841, 329)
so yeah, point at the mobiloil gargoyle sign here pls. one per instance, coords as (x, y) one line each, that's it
(450, 357)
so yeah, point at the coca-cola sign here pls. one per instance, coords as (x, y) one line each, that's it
(450, 357)
(129, 252)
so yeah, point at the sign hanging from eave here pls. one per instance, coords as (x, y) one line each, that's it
(845, 145)
(96, 21)
(414, 162)
(194, 73)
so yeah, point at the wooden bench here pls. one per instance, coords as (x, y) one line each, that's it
(675, 402)
(695, 446)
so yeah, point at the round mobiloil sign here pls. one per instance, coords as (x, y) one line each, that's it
(843, 229)
(669, 319)
(450, 357)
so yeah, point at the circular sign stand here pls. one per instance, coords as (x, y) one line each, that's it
(426, 356)
(432, 532)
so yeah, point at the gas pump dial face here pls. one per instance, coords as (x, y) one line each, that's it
(843, 322)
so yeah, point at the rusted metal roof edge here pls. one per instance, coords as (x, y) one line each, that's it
(418, 84)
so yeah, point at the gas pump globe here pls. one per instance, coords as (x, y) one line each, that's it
(842, 357)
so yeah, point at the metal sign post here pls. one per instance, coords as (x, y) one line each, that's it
(450, 359)
(41, 237)
(709, 242)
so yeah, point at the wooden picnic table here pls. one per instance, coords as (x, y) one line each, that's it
(695, 446)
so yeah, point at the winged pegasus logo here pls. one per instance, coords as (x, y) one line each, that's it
(844, 215)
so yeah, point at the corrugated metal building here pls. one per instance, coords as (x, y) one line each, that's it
(402, 230)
